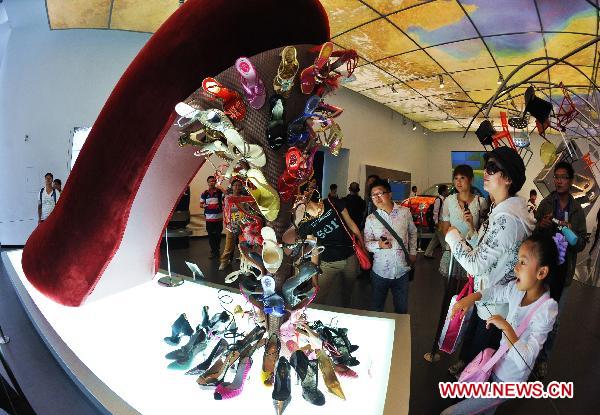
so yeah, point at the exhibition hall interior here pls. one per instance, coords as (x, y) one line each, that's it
(299, 207)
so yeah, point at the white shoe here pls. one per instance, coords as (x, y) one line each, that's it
(272, 253)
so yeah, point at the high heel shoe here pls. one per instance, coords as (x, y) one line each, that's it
(273, 302)
(272, 349)
(272, 253)
(331, 380)
(282, 389)
(308, 376)
(253, 86)
(306, 271)
(232, 100)
(244, 347)
(181, 327)
(185, 355)
(218, 323)
(286, 72)
(218, 350)
(234, 388)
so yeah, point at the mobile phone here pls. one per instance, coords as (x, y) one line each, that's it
(383, 238)
(466, 207)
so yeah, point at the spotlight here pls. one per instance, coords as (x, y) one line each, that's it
(500, 79)
(424, 131)
(447, 118)
(393, 89)
(403, 120)
(414, 126)
(441, 80)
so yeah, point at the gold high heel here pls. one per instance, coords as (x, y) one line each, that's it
(331, 380)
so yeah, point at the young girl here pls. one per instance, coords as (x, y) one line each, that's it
(536, 281)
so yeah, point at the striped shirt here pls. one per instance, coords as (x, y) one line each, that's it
(213, 205)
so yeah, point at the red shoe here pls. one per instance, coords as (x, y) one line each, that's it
(318, 72)
(233, 104)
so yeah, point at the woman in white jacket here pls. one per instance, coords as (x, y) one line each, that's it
(492, 260)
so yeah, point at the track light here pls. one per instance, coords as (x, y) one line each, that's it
(500, 79)
(441, 78)
(414, 126)
(424, 131)
(403, 120)
(393, 89)
(447, 118)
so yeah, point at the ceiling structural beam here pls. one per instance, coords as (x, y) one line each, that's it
(537, 11)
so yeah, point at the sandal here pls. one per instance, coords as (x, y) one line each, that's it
(273, 302)
(272, 349)
(298, 131)
(272, 253)
(276, 129)
(217, 120)
(334, 139)
(318, 71)
(265, 196)
(253, 86)
(286, 72)
(233, 104)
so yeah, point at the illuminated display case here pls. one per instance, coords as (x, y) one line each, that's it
(113, 349)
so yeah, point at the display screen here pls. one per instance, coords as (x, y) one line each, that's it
(475, 160)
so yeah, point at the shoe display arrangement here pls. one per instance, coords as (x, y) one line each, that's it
(219, 120)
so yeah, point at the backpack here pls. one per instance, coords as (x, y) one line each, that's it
(53, 195)
(429, 213)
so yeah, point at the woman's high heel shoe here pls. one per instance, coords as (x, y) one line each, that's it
(186, 354)
(181, 327)
(306, 271)
(331, 380)
(233, 389)
(218, 350)
(244, 347)
(272, 349)
(307, 371)
(282, 389)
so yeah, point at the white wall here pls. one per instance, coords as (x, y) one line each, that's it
(375, 135)
(50, 82)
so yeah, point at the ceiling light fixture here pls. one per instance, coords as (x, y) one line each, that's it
(500, 79)
(403, 120)
(447, 118)
(424, 131)
(441, 80)
(393, 89)
(414, 126)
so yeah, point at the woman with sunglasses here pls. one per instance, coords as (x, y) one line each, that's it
(491, 257)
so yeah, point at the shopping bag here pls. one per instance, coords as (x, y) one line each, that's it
(455, 327)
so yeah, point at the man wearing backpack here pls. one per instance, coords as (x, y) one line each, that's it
(437, 209)
(47, 198)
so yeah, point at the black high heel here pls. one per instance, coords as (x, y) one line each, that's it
(306, 271)
(181, 327)
(307, 371)
(282, 389)
(218, 350)
(337, 338)
(185, 355)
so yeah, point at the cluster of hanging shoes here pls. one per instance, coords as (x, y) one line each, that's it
(213, 131)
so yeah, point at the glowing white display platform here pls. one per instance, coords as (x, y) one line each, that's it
(113, 348)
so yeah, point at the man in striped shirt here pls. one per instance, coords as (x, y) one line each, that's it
(211, 201)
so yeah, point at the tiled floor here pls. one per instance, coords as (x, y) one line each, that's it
(575, 355)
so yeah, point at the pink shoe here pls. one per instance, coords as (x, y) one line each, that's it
(252, 84)
(233, 389)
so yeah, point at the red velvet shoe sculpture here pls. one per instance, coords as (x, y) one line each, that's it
(104, 233)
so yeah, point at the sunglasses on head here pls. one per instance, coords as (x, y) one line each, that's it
(491, 167)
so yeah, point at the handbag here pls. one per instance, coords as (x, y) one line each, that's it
(456, 326)
(364, 261)
(480, 368)
(411, 273)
